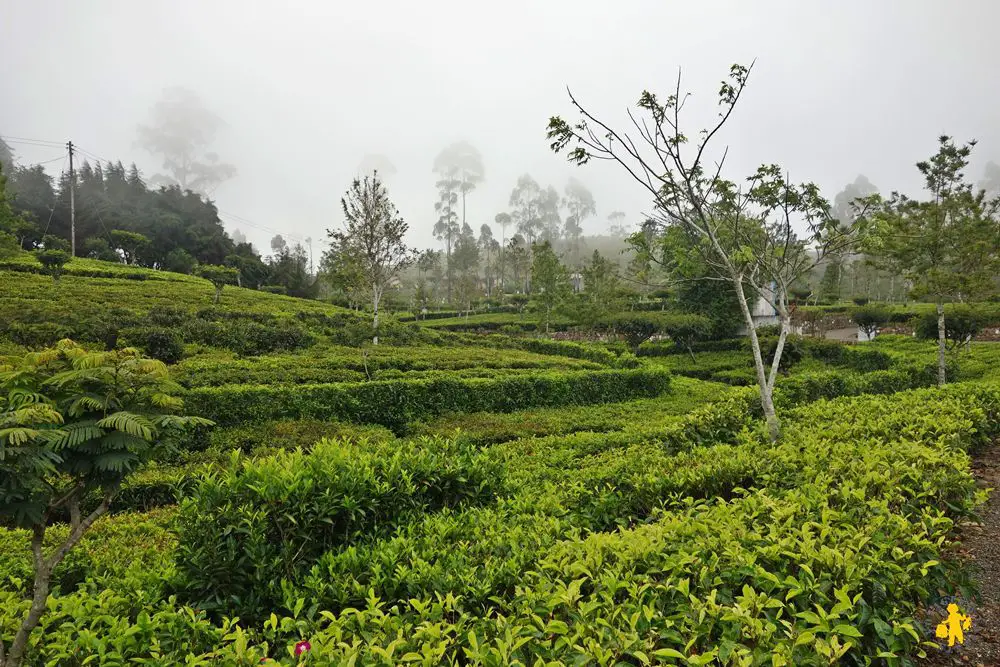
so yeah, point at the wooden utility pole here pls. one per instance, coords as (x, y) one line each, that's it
(72, 202)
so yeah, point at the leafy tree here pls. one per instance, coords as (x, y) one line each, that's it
(489, 247)
(961, 326)
(869, 319)
(447, 227)
(180, 260)
(829, 286)
(549, 280)
(616, 222)
(97, 247)
(340, 268)
(602, 290)
(635, 328)
(504, 221)
(219, 276)
(6, 156)
(182, 129)
(945, 246)
(74, 422)
(580, 203)
(520, 261)
(525, 203)
(466, 260)
(53, 256)
(129, 244)
(462, 164)
(9, 223)
(429, 269)
(548, 214)
(686, 330)
(746, 234)
(252, 272)
(373, 233)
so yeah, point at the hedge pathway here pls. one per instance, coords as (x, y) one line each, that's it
(981, 545)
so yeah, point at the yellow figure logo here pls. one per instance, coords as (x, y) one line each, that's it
(952, 627)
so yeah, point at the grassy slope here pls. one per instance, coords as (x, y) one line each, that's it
(34, 298)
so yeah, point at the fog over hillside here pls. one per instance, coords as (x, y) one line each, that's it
(310, 91)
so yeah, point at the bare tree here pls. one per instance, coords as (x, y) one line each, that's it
(373, 235)
(746, 232)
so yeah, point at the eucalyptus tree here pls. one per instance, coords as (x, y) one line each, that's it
(525, 203)
(745, 230)
(579, 202)
(462, 163)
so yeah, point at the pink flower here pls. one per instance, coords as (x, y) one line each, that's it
(302, 647)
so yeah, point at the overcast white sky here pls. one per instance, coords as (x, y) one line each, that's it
(308, 88)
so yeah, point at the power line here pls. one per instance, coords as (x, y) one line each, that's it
(30, 142)
(58, 157)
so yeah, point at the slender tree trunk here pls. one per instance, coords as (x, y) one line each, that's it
(218, 293)
(766, 394)
(941, 345)
(376, 297)
(43, 573)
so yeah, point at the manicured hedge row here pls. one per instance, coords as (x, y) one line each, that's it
(489, 428)
(596, 353)
(346, 364)
(395, 403)
(826, 560)
(246, 527)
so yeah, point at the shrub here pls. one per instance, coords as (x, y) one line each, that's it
(162, 344)
(245, 528)
(860, 300)
(791, 353)
(869, 319)
(686, 330)
(179, 260)
(396, 403)
(961, 325)
(635, 328)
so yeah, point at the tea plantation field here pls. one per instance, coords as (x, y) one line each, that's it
(457, 498)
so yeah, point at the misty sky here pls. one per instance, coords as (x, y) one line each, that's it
(307, 89)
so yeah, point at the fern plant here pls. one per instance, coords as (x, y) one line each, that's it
(73, 422)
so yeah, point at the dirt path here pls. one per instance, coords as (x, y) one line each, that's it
(981, 544)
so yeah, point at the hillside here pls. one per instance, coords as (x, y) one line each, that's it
(528, 497)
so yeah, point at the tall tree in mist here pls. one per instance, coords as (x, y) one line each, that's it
(844, 211)
(525, 204)
(466, 260)
(579, 201)
(373, 235)
(447, 226)
(180, 132)
(947, 245)
(504, 221)
(461, 162)
(991, 180)
(616, 224)
(745, 229)
(376, 162)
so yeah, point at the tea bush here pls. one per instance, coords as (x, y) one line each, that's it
(396, 403)
(246, 527)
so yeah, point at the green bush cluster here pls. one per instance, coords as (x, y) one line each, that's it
(345, 364)
(822, 550)
(396, 403)
(246, 527)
